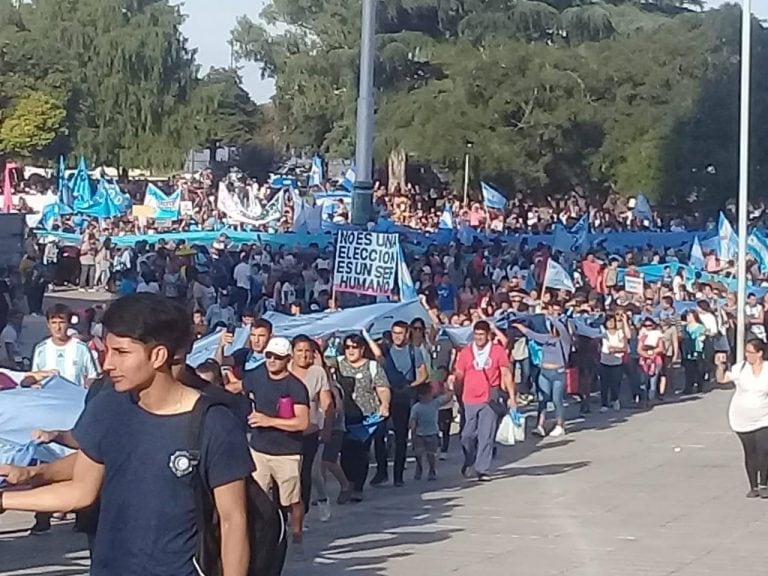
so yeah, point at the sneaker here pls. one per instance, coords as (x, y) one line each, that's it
(432, 476)
(356, 496)
(483, 478)
(398, 483)
(467, 471)
(42, 525)
(617, 405)
(324, 510)
(539, 431)
(443, 456)
(344, 497)
(603, 409)
(557, 431)
(379, 479)
(753, 493)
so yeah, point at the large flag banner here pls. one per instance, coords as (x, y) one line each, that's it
(492, 198)
(366, 262)
(757, 246)
(231, 206)
(696, 259)
(556, 277)
(283, 181)
(729, 242)
(166, 207)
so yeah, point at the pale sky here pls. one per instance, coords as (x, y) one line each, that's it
(210, 22)
(208, 25)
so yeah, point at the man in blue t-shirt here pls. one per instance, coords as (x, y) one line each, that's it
(446, 296)
(405, 369)
(135, 451)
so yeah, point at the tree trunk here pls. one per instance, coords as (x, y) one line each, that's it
(397, 165)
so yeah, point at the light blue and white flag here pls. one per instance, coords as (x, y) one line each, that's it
(317, 173)
(492, 198)
(757, 246)
(348, 182)
(166, 207)
(729, 242)
(696, 259)
(642, 211)
(283, 181)
(406, 286)
(446, 218)
(556, 277)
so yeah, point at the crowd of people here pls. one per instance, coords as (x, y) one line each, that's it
(303, 415)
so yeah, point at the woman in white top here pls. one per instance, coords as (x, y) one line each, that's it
(748, 412)
(612, 351)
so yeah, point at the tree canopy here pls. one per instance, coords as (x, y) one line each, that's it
(556, 95)
(124, 77)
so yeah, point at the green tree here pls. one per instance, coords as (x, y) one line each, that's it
(31, 125)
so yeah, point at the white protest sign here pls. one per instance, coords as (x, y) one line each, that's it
(634, 285)
(366, 262)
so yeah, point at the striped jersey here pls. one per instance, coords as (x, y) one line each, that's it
(73, 360)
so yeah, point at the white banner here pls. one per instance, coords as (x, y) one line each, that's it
(634, 285)
(366, 262)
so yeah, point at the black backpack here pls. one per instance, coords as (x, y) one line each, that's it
(266, 523)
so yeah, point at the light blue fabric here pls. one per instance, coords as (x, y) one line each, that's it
(56, 406)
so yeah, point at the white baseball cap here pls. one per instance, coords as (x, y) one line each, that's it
(279, 346)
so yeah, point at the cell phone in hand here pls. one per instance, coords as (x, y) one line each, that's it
(231, 329)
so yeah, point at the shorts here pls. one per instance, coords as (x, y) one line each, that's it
(426, 445)
(285, 471)
(332, 448)
(666, 366)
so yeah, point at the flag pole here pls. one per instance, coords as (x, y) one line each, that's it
(746, 42)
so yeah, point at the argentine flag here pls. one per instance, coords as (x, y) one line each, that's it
(492, 198)
(446, 218)
(697, 255)
(317, 174)
(757, 246)
(556, 277)
(729, 242)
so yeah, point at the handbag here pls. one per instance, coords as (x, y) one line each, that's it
(572, 381)
(498, 398)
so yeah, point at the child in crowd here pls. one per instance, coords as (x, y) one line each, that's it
(425, 433)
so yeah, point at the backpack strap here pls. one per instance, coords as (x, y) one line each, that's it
(204, 503)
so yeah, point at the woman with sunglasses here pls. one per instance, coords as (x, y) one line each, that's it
(365, 390)
(748, 411)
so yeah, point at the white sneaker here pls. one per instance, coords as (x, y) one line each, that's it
(324, 510)
(617, 405)
(557, 431)
(539, 431)
(603, 409)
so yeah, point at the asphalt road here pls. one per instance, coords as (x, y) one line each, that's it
(658, 493)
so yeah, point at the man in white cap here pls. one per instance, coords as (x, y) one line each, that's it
(280, 415)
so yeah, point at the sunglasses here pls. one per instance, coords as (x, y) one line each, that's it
(351, 347)
(273, 356)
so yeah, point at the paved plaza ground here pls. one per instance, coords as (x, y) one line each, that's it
(624, 494)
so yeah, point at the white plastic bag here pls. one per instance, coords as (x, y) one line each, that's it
(505, 435)
(518, 423)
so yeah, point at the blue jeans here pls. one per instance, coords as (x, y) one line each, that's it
(552, 389)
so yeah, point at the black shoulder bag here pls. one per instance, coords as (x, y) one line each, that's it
(266, 523)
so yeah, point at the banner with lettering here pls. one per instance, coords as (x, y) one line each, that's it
(366, 262)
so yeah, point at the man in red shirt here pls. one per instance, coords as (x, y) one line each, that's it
(483, 373)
